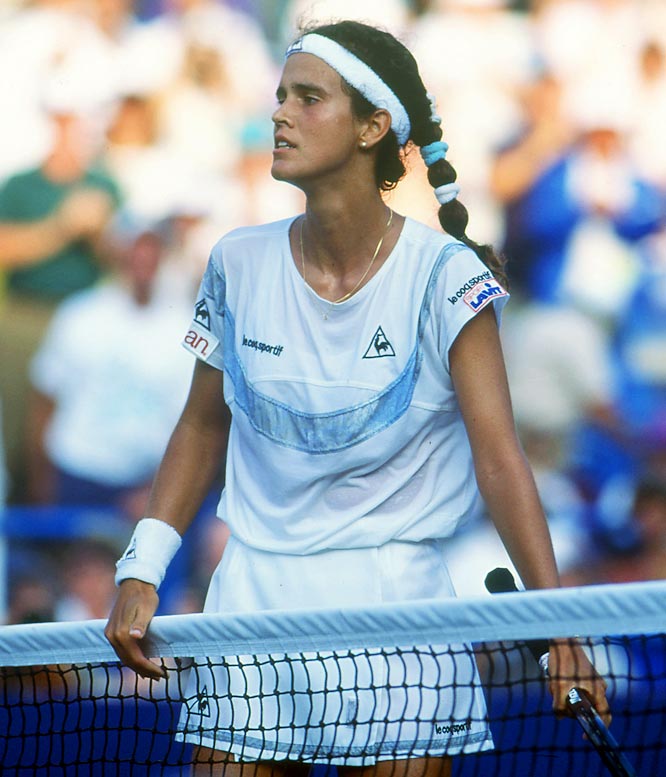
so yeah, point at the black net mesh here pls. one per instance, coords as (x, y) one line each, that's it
(330, 708)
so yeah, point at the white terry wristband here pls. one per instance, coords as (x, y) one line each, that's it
(153, 545)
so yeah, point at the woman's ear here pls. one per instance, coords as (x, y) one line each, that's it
(374, 129)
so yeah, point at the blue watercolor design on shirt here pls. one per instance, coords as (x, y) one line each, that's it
(319, 433)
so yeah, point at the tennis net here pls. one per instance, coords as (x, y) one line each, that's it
(311, 685)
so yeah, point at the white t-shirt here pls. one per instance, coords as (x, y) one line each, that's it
(119, 382)
(345, 431)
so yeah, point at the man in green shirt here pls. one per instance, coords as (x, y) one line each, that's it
(48, 231)
(51, 221)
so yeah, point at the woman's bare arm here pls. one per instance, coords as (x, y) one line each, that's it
(508, 488)
(188, 470)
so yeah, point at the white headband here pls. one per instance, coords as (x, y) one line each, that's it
(357, 74)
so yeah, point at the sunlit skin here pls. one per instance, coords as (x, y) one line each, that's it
(314, 116)
(324, 158)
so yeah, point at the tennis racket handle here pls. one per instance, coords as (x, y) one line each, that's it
(598, 734)
(501, 580)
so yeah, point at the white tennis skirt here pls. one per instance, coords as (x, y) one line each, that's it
(344, 707)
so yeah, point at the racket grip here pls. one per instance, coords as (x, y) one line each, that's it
(599, 735)
(501, 580)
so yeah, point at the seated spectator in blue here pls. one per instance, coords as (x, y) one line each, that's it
(638, 356)
(640, 347)
(641, 554)
(563, 174)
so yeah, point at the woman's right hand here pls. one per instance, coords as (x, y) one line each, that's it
(128, 623)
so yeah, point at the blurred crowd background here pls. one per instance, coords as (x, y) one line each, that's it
(133, 134)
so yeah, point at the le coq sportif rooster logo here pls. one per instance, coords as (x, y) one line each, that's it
(201, 314)
(379, 346)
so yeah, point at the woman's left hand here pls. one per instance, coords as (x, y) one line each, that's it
(569, 667)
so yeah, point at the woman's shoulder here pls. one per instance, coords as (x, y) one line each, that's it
(256, 234)
(426, 237)
(247, 245)
(434, 248)
(451, 266)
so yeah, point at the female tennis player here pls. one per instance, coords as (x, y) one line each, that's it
(349, 366)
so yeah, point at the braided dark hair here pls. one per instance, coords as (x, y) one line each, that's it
(396, 66)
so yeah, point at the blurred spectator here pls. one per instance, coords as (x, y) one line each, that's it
(556, 356)
(640, 347)
(642, 558)
(31, 583)
(560, 376)
(247, 68)
(87, 578)
(50, 582)
(31, 600)
(573, 207)
(144, 53)
(201, 119)
(109, 383)
(638, 443)
(598, 41)
(149, 174)
(190, 230)
(473, 55)
(48, 41)
(542, 141)
(51, 216)
(51, 219)
(647, 142)
(576, 208)
(188, 134)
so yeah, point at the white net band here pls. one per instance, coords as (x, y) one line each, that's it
(592, 611)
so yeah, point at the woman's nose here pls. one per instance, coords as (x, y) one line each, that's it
(280, 115)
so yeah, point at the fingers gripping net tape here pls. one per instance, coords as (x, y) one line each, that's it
(338, 687)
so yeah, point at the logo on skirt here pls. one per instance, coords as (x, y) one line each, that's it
(200, 704)
(453, 728)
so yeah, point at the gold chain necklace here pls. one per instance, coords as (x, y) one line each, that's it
(367, 269)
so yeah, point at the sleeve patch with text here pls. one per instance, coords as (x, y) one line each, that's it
(200, 341)
(482, 293)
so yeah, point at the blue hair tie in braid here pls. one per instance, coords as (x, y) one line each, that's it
(433, 152)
